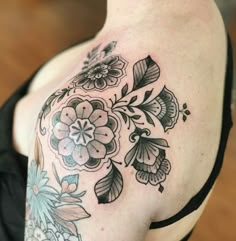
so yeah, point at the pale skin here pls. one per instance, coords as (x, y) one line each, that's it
(188, 42)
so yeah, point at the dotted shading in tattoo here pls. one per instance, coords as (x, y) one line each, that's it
(85, 131)
(149, 158)
(102, 70)
(148, 155)
(84, 134)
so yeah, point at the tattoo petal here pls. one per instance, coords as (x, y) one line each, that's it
(80, 155)
(96, 149)
(147, 153)
(111, 80)
(66, 147)
(100, 83)
(104, 134)
(115, 73)
(68, 115)
(61, 130)
(89, 85)
(169, 113)
(99, 118)
(84, 110)
(142, 177)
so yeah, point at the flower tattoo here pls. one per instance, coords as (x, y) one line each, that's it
(103, 74)
(101, 70)
(148, 158)
(84, 134)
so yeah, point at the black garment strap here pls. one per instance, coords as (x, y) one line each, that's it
(198, 199)
(186, 238)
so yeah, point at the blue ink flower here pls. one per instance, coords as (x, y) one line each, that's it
(40, 197)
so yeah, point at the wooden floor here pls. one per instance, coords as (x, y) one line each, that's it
(33, 30)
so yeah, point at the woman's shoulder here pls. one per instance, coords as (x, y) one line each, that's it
(136, 127)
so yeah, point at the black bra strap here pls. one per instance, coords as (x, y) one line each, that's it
(198, 199)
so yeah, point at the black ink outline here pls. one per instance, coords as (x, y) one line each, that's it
(110, 187)
(148, 157)
(97, 107)
(135, 111)
(101, 70)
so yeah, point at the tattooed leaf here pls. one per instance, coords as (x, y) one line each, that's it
(64, 92)
(184, 118)
(71, 212)
(136, 117)
(133, 99)
(187, 112)
(146, 71)
(131, 109)
(147, 95)
(149, 118)
(93, 52)
(67, 225)
(110, 47)
(70, 199)
(185, 106)
(109, 188)
(38, 153)
(46, 110)
(79, 195)
(54, 170)
(124, 116)
(124, 90)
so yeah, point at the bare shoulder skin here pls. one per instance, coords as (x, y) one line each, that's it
(128, 131)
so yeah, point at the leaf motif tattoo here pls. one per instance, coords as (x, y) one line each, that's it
(85, 131)
(47, 107)
(146, 71)
(148, 156)
(109, 188)
(163, 107)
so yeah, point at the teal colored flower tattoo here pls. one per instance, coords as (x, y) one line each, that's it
(40, 196)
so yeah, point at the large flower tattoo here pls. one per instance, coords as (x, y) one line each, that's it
(148, 158)
(84, 134)
(105, 73)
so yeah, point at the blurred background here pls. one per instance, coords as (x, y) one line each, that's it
(31, 31)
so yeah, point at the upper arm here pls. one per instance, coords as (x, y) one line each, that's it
(104, 149)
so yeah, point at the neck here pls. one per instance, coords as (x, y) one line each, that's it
(125, 13)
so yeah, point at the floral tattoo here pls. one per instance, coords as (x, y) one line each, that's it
(84, 134)
(101, 71)
(51, 213)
